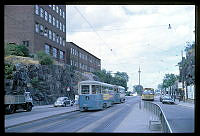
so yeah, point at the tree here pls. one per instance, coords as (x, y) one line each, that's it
(18, 50)
(120, 78)
(44, 59)
(169, 80)
(138, 89)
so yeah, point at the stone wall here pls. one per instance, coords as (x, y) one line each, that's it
(46, 83)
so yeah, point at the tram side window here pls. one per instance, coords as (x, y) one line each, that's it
(104, 90)
(85, 89)
(96, 89)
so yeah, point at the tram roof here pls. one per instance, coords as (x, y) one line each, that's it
(94, 82)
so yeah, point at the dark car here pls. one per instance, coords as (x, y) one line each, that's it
(167, 99)
(63, 101)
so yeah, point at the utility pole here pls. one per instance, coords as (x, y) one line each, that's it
(139, 74)
(182, 75)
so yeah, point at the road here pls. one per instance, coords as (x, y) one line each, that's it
(91, 121)
(180, 118)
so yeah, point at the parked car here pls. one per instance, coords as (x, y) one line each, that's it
(63, 101)
(167, 99)
(161, 97)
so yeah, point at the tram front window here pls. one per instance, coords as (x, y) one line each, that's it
(85, 89)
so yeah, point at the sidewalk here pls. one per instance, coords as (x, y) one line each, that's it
(27, 119)
(137, 121)
(42, 106)
(187, 104)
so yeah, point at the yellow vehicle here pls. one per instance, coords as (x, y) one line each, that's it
(148, 94)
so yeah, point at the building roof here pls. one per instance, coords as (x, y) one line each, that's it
(83, 49)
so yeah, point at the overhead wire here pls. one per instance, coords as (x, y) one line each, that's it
(93, 29)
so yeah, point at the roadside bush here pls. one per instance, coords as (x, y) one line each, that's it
(18, 50)
(44, 59)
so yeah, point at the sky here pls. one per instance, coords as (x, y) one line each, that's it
(126, 37)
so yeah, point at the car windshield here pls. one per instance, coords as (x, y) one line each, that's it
(60, 99)
(167, 97)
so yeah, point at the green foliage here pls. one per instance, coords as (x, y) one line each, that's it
(18, 50)
(120, 78)
(169, 80)
(44, 59)
(138, 89)
(189, 46)
(9, 68)
(34, 82)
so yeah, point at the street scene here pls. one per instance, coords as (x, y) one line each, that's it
(99, 68)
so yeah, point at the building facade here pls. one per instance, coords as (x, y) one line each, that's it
(82, 60)
(39, 27)
(43, 28)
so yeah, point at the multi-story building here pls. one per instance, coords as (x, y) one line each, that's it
(40, 27)
(82, 60)
(43, 28)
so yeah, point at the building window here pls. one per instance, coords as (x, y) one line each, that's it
(57, 23)
(60, 40)
(54, 21)
(50, 18)
(46, 32)
(41, 30)
(57, 39)
(60, 26)
(37, 9)
(71, 62)
(41, 12)
(37, 27)
(57, 10)
(50, 34)
(61, 55)
(54, 7)
(55, 52)
(54, 36)
(26, 43)
(63, 41)
(47, 49)
(45, 15)
(63, 28)
(63, 14)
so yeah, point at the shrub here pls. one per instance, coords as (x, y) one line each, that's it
(44, 59)
(34, 82)
(18, 50)
(9, 68)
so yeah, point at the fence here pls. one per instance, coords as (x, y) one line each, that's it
(157, 111)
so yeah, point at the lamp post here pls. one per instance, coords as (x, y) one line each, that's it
(139, 74)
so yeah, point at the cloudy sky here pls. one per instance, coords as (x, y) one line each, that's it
(125, 37)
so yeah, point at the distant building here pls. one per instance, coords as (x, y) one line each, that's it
(82, 60)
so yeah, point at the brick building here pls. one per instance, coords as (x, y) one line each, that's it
(43, 28)
(40, 27)
(82, 60)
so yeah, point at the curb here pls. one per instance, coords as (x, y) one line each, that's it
(39, 119)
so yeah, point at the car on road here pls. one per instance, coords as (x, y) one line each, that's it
(167, 99)
(63, 101)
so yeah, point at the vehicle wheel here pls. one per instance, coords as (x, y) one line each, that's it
(11, 108)
(104, 106)
(28, 107)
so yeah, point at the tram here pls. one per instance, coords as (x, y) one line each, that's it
(119, 94)
(95, 95)
(148, 94)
